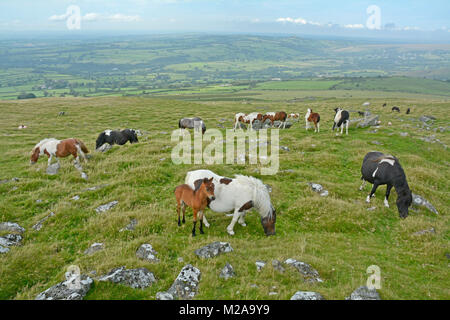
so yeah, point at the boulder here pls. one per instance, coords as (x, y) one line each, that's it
(146, 252)
(53, 169)
(420, 201)
(11, 240)
(277, 265)
(422, 232)
(74, 288)
(134, 278)
(130, 227)
(260, 265)
(257, 125)
(308, 273)
(104, 147)
(11, 227)
(227, 272)
(38, 226)
(94, 248)
(368, 121)
(213, 249)
(364, 293)
(3, 249)
(318, 188)
(185, 285)
(307, 295)
(106, 207)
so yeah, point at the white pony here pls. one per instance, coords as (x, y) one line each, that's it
(239, 195)
(307, 124)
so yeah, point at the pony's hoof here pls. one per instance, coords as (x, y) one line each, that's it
(243, 224)
(230, 232)
(206, 225)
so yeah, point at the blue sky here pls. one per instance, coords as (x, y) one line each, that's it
(263, 16)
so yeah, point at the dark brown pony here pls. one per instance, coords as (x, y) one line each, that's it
(196, 199)
(276, 116)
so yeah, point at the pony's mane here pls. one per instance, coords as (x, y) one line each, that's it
(385, 156)
(261, 195)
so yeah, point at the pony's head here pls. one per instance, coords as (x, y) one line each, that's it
(209, 188)
(404, 200)
(35, 155)
(132, 135)
(337, 110)
(268, 222)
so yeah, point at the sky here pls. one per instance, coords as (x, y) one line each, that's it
(426, 20)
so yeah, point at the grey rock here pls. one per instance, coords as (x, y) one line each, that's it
(185, 285)
(404, 134)
(11, 227)
(378, 143)
(53, 169)
(7, 180)
(260, 265)
(106, 207)
(130, 227)
(134, 278)
(4, 249)
(421, 201)
(94, 248)
(364, 293)
(84, 176)
(308, 273)
(11, 240)
(307, 295)
(61, 113)
(427, 118)
(146, 252)
(213, 249)
(76, 198)
(285, 148)
(368, 121)
(104, 147)
(273, 293)
(422, 232)
(163, 296)
(227, 272)
(96, 187)
(318, 188)
(38, 226)
(74, 288)
(257, 125)
(277, 265)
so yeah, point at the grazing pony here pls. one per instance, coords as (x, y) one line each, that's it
(276, 116)
(195, 123)
(239, 195)
(116, 137)
(59, 149)
(408, 111)
(314, 118)
(247, 118)
(395, 108)
(380, 169)
(196, 199)
(293, 116)
(384, 104)
(341, 119)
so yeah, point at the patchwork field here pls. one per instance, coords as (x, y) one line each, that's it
(337, 234)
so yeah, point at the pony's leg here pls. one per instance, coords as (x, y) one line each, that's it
(315, 127)
(362, 185)
(318, 126)
(200, 216)
(183, 206)
(233, 221)
(195, 222)
(386, 198)
(50, 159)
(241, 220)
(347, 127)
(178, 212)
(306, 125)
(205, 222)
(284, 124)
(372, 192)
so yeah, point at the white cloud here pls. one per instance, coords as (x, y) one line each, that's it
(93, 16)
(297, 21)
(354, 26)
(60, 17)
(123, 18)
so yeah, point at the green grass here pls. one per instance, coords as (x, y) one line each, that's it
(336, 234)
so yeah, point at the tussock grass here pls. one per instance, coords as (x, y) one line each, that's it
(337, 235)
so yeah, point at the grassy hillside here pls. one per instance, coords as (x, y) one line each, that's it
(337, 235)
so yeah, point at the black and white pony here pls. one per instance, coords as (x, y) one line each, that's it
(380, 169)
(341, 119)
(395, 108)
(116, 137)
(195, 123)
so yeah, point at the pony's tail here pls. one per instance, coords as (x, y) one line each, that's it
(82, 146)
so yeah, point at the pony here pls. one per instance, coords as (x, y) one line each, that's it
(239, 195)
(247, 118)
(384, 104)
(195, 123)
(395, 108)
(293, 116)
(276, 116)
(341, 119)
(314, 118)
(380, 169)
(116, 137)
(408, 111)
(196, 199)
(59, 149)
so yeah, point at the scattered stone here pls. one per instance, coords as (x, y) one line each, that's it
(84, 176)
(364, 293)
(11, 227)
(3, 249)
(404, 134)
(427, 118)
(368, 121)
(260, 265)
(146, 252)
(38, 201)
(106, 207)
(307, 295)
(11, 240)
(371, 208)
(180, 259)
(104, 147)
(309, 273)
(130, 227)
(134, 278)
(38, 226)
(318, 188)
(74, 288)
(277, 265)
(213, 249)
(227, 272)
(422, 232)
(420, 201)
(7, 180)
(61, 113)
(185, 285)
(76, 198)
(273, 293)
(53, 169)
(94, 248)
(377, 143)
(95, 188)
(285, 148)
(253, 285)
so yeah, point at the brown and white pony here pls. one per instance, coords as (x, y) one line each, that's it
(247, 118)
(276, 116)
(293, 116)
(59, 149)
(313, 117)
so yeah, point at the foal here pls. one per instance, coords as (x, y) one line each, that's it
(196, 199)
(313, 117)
